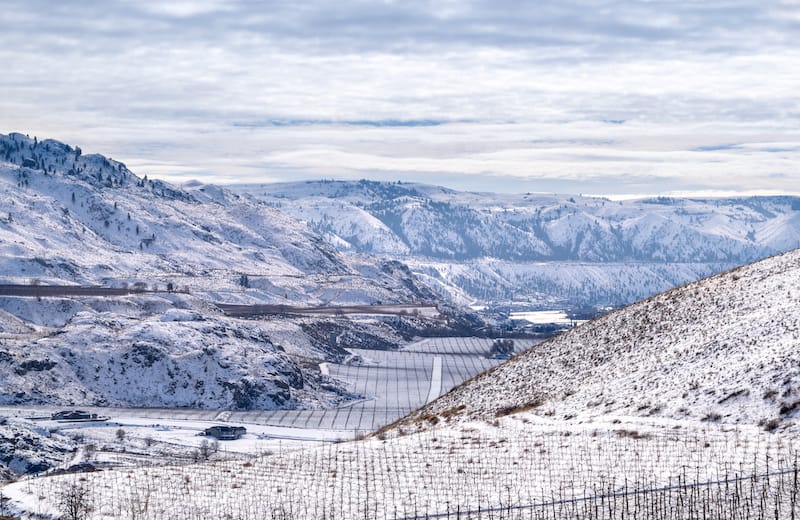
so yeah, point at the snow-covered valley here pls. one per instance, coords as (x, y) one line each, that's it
(115, 290)
(680, 406)
(178, 308)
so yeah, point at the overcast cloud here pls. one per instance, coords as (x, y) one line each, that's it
(572, 96)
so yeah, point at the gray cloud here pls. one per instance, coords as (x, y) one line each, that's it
(600, 29)
(446, 90)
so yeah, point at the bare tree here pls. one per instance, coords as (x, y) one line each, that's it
(138, 502)
(89, 450)
(75, 501)
(3, 504)
(205, 450)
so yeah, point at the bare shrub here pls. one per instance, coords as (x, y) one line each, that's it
(75, 501)
(509, 410)
(138, 503)
(205, 450)
(771, 425)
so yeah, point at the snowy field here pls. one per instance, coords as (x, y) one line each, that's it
(305, 464)
(393, 384)
(545, 317)
(517, 467)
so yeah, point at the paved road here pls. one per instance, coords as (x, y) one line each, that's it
(389, 309)
(235, 310)
(54, 291)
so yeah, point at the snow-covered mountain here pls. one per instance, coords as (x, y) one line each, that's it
(547, 249)
(723, 349)
(88, 219)
(67, 218)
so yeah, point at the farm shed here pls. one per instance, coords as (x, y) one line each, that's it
(225, 433)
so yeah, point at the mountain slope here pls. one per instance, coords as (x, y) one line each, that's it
(87, 219)
(526, 243)
(25, 449)
(68, 218)
(680, 404)
(721, 349)
(105, 220)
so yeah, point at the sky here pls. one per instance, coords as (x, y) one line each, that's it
(610, 97)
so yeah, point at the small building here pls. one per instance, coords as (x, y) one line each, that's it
(74, 415)
(225, 433)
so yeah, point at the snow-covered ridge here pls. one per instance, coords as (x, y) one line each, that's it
(69, 218)
(723, 349)
(91, 215)
(439, 223)
(75, 218)
(535, 246)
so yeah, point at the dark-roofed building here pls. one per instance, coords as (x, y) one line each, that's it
(226, 433)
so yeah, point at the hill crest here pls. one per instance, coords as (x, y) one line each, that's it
(722, 349)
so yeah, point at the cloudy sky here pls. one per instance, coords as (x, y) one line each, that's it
(571, 96)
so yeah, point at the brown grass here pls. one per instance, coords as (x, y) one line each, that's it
(509, 410)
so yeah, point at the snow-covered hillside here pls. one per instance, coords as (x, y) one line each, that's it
(723, 349)
(67, 218)
(87, 219)
(680, 404)
(25, 449)
(170, 356)
(536, 247)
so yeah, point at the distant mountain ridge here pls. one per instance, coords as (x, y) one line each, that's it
(503, 240)
(541, 227)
